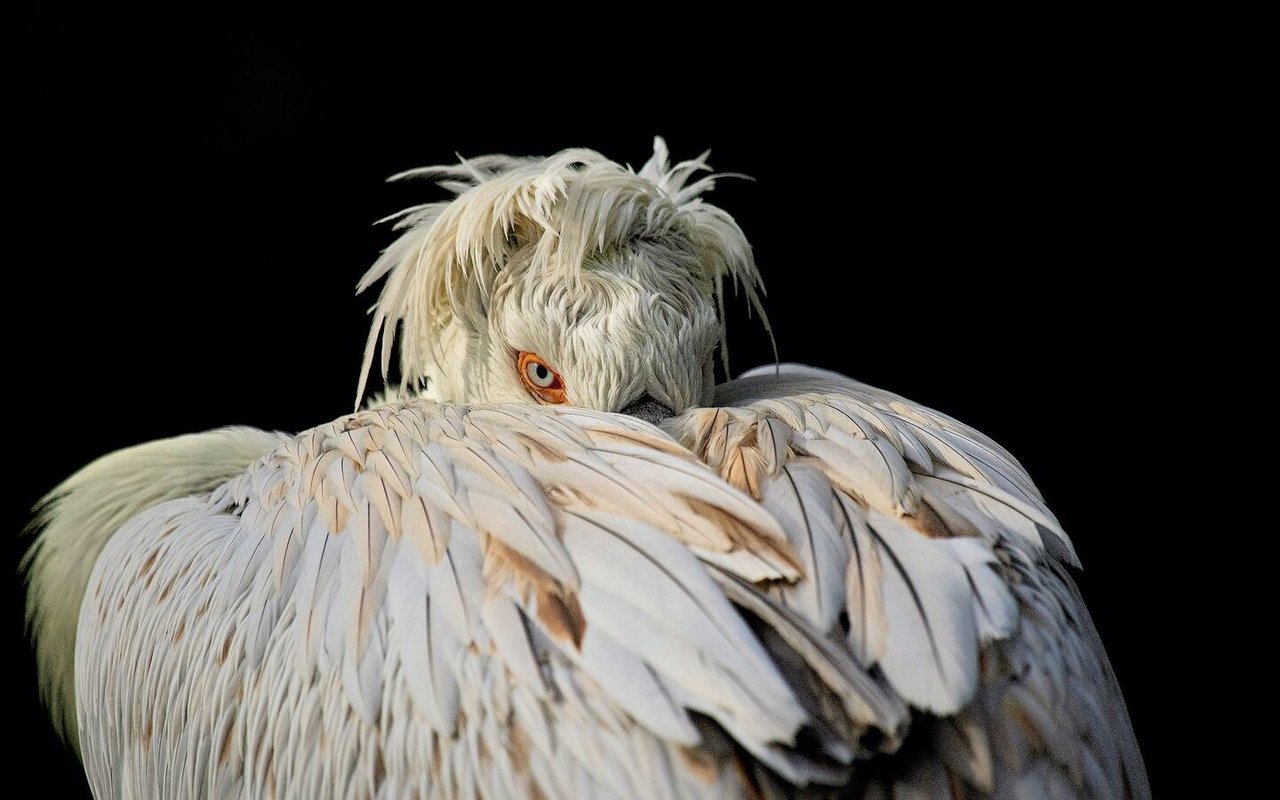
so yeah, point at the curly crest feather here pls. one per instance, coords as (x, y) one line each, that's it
(556, 217)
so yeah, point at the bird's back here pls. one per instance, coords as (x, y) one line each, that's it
(815, 589)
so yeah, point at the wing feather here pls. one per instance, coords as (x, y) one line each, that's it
(638, 689)
(514, 600)
(526, 602)
(420, 644)
(929, 650)
(799, 497)
(951, 590)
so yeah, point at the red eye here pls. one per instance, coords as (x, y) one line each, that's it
(540, 379)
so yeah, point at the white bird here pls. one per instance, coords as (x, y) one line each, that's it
(490, 584)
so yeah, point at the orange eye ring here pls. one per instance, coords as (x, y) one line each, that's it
(543, 382)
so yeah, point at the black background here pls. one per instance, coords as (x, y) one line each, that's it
(195, 206)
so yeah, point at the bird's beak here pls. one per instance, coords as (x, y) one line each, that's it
(646, 408)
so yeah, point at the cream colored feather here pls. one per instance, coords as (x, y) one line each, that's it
(798, 586)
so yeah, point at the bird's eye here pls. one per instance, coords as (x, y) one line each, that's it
(540, 379)
(539, 375)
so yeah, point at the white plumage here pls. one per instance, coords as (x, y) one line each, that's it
(490, 584)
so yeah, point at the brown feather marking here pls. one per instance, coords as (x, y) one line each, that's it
(167, 590)
(568, 496)
(743, 535)
(708, 434)
(955, 521)
(558, 607)
(541, 449)
(225, 750)
(659, 443)
(562, 616)
(503, 563)
(700, 764)
(717, 439)
(271, 768)
(338, 519)
(379, 768)
(742, 469)
(694, 434)
(926, 520)
(519, 748)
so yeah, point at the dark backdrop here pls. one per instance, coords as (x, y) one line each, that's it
(194, 211)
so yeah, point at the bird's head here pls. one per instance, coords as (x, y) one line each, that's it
(570, 279)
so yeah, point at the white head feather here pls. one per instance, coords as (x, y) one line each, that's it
(612, 276)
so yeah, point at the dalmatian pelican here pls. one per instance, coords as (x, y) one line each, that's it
(557, 560)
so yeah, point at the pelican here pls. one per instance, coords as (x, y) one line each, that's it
(556, 560)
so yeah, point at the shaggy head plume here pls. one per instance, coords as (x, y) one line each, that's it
(612, 276)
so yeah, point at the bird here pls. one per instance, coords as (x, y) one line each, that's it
(553, 558)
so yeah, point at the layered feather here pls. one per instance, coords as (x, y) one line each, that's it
(928, 551)
(469, 578)
(813, 589)
(76, 519)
